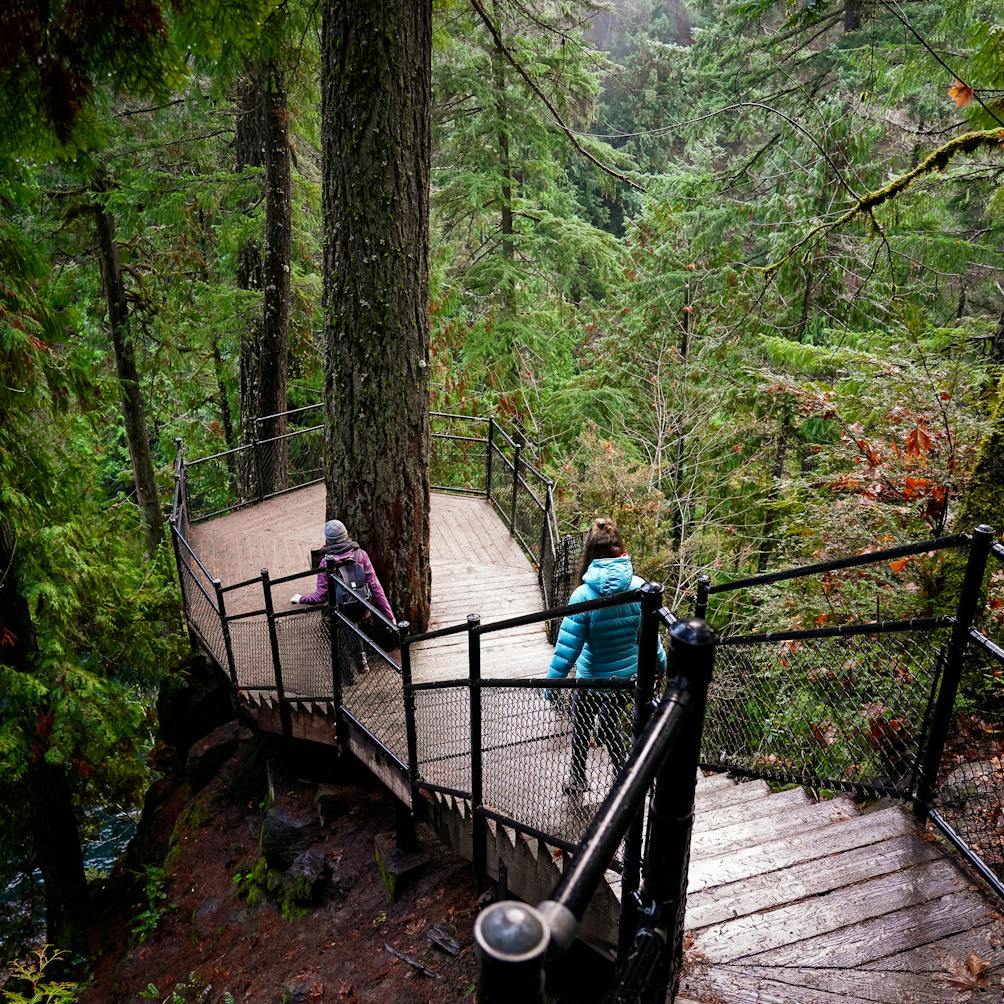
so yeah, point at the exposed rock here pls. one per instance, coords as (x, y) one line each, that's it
(208, 754)
(396, 866)
(330, 802)
(307, 876)
(289, 828)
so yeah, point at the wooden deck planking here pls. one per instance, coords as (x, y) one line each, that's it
(857, 908)
(477, 568)
(789, 901)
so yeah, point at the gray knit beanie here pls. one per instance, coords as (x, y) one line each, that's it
(335, 532)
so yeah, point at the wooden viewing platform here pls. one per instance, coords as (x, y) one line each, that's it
(791, 900)
(476, 567)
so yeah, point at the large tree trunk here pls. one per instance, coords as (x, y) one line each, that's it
(249, 146)
(274, 349)
(376, 84)
(51, 817)
(263, 141)
(125, 365)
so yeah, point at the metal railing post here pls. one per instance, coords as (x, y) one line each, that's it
(488, 458)
(663, 895)
(479, 828)
(644, 692)
(954, 662)
(256, 451)
(341, 728)
(543, 538)
(517, 450)
(273, 638)
(227, 644)
(512, 942)
(703, 594)
(407, 840)
(192, 640)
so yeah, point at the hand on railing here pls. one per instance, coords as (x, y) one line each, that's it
(295, 598)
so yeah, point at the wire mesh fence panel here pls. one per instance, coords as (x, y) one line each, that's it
(249, 642)
(529, 515)
(970, 793)
(215, 483)
(304, 641)
(458, 453)
(291, 460)
(203, 616)
(502, 482)
(824, 711)
(551, 756)
(880, 590)
(371, 687)
(565, 577)
(443, 730)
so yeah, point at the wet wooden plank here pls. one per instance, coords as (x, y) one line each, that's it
(777, 854)
(707, 819)
(857, 945)
(763, 893)
(798, 822)
(787, 927)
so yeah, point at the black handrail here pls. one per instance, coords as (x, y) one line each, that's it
(514, 939)
(842, 630)
(871, 558)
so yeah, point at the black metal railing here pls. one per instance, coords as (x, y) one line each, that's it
(876, 707)
(516, 942)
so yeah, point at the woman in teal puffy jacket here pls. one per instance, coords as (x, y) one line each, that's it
(600, 644)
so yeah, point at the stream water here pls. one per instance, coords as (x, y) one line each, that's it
(22, 902)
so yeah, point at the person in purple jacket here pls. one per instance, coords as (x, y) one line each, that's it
(337, 548)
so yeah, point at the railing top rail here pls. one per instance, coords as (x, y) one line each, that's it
(619, 599)
(292, 411)
(841, 630)
(870, 558)
(188, 547)
(463, 418)
(290, 434)
(218, 456)
(997, 550)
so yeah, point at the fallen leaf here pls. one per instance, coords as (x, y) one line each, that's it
(962, 94)
(899, 564)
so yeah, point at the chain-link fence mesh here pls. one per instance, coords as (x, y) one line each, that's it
(826, 711)
(443, 729)
(291, 460)
(252, 651)
(200, 607)
(372, 691)
(458, 454)
(304, 641)
(216, 484)
(501, 484)
(970, 792)
(550, 757)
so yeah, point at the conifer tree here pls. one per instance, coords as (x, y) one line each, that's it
(376, 81)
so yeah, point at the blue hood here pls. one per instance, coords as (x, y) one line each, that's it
(607, 576)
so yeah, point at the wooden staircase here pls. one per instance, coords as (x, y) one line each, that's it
(793, 901)
(790, 900)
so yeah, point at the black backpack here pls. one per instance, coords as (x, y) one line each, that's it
(351, 587)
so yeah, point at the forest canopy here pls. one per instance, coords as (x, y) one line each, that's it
(732, 268)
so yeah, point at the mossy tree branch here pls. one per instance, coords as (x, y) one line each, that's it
(937, 160)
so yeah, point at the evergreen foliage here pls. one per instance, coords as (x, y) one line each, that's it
(734, 267)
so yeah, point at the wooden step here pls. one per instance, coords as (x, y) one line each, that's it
(779, 937)
(729, 815)
(763, 893)
(797, 822)
(730, 794)
(773, 855)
